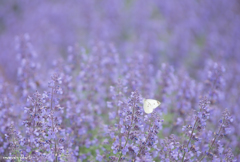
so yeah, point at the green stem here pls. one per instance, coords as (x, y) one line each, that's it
(56, 155)
(34, 115)
(189, 138)
(118, 119)
(213, 141)
(146, 140)
(55, 146)
(128, 132)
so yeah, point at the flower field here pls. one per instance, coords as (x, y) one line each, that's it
(74, 75)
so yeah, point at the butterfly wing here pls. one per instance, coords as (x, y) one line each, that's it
(147, 107)
(150, 104)
(154, 103)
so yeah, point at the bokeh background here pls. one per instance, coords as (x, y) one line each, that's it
(183, 33)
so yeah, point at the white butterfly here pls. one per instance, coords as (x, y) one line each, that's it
(149, 105)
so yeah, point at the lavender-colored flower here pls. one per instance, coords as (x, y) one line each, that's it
(104, 58)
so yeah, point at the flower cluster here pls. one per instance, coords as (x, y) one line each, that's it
(135, 134)
(43, 138)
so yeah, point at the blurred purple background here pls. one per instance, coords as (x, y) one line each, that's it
(183, 33)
